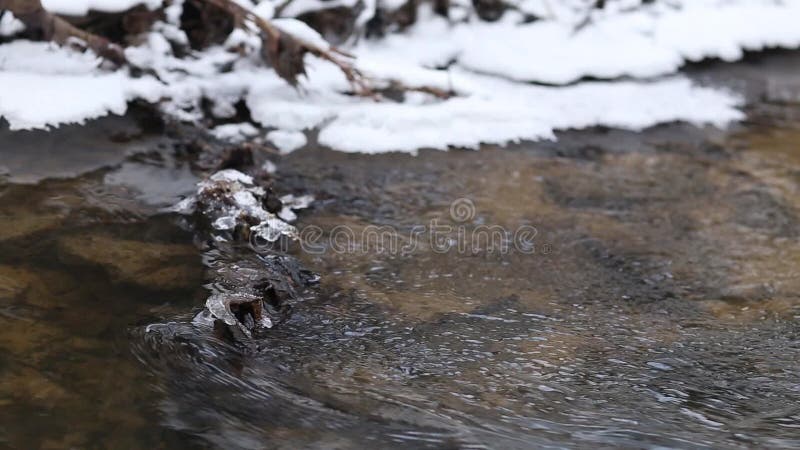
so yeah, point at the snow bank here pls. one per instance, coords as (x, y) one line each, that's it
(514, 113)
(41, 85)
(645, 42)
(45, 59)
(30, 100)
(489, 110)
(82, 7)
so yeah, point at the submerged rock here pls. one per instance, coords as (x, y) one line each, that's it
(23, 214)
(151, 265)
(253, 293)
(250, 291)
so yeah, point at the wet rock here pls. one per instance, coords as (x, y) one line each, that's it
(150, 265)
(22, 220)
(250, 291)
(14, 281)
(24, 338)
(31, 386)
(230, 201)
(253, 293)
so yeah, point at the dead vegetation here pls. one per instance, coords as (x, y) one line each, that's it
(42, 24)
(206, 22)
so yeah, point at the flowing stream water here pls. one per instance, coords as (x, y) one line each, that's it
(611, 289)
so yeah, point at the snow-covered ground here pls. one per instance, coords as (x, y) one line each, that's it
(491, 66)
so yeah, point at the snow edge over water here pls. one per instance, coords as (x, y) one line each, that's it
(43, 86)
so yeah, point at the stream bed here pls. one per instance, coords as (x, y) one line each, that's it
(611, 289)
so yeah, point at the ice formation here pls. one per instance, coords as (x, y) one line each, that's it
(229, 199)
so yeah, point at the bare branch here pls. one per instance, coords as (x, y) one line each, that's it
(53, 28)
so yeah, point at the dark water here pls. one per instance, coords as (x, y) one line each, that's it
(657, 304)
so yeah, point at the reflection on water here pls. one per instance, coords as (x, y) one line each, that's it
(664, 314)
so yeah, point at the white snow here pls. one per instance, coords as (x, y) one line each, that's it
(636, 50)
(297, 7)
(287, 141)
(269, 167)
(232, 175)
(10, 25)
(29, 100)
(489, 110)
(302, 31)
(41, 85)
(45, 59)
(645, 42)
(530, 113)
(265, 10)
(234, 132)
(81, 7)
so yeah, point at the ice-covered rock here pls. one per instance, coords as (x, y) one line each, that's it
(230, 200)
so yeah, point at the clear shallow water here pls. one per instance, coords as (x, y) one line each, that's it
(660, 308)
